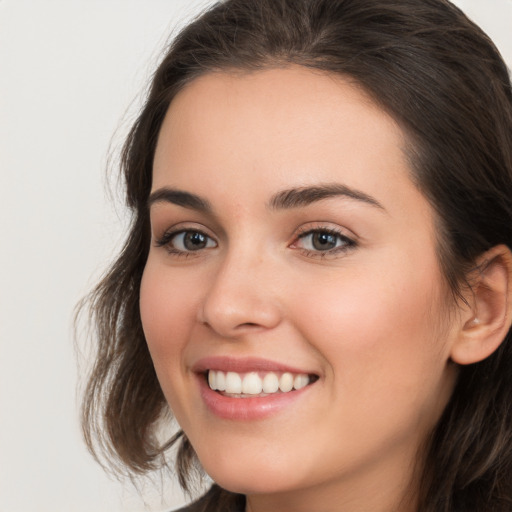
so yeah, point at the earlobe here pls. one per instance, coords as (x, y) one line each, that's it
(488, 320)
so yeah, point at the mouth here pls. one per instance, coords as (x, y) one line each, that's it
(256, 383)
(250, 388)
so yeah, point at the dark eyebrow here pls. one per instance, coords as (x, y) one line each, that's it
(303, 196)
(180, 198)
(286, 199)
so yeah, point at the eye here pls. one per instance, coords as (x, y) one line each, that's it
(186, 241)
(323, 242)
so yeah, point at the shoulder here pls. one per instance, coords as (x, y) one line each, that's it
(216, 500)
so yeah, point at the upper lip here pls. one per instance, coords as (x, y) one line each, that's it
(243, 365)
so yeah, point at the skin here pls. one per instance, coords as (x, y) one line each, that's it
(369, 319)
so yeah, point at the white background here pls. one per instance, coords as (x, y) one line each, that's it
(69, 70)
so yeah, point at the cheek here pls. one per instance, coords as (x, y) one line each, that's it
(167, 308)
(384, 359)
(166, 313)
(379, 325)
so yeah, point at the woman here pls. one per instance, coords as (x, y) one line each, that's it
(317, 278)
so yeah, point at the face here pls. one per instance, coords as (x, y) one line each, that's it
(290, 249)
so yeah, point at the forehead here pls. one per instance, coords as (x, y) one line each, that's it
(278, 128)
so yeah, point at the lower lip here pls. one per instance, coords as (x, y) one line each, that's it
(247, 409)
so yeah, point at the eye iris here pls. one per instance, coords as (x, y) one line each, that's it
(194, 241)
(323, 241)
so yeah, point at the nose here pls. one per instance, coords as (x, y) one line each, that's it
(241, 297)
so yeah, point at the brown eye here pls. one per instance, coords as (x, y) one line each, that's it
(324, 241)
(193, 241)
(187, 241)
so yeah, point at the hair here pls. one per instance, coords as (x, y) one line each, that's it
(442, 79)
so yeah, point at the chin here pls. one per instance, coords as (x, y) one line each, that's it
(251, 479)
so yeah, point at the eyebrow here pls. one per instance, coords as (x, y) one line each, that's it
(303, 196)
(283, 200)
(180, 198)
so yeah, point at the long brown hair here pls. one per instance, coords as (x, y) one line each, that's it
(443, 80)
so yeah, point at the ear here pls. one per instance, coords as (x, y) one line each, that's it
(487, 321)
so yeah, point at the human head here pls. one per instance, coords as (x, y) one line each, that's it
(441, 79)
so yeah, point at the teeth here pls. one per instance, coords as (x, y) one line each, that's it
(253, 383)
(300, 381)
(286, 382)
(233, 383)
(270, 383)
(220, 381)
(212, 380)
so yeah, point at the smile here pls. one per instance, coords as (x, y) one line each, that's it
(244, 385)
(250, 389)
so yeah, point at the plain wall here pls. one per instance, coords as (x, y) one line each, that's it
(69, 70)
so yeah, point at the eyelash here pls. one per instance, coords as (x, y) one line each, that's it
(167, 238)
(347, 243)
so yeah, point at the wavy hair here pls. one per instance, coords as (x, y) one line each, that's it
(442, 79)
